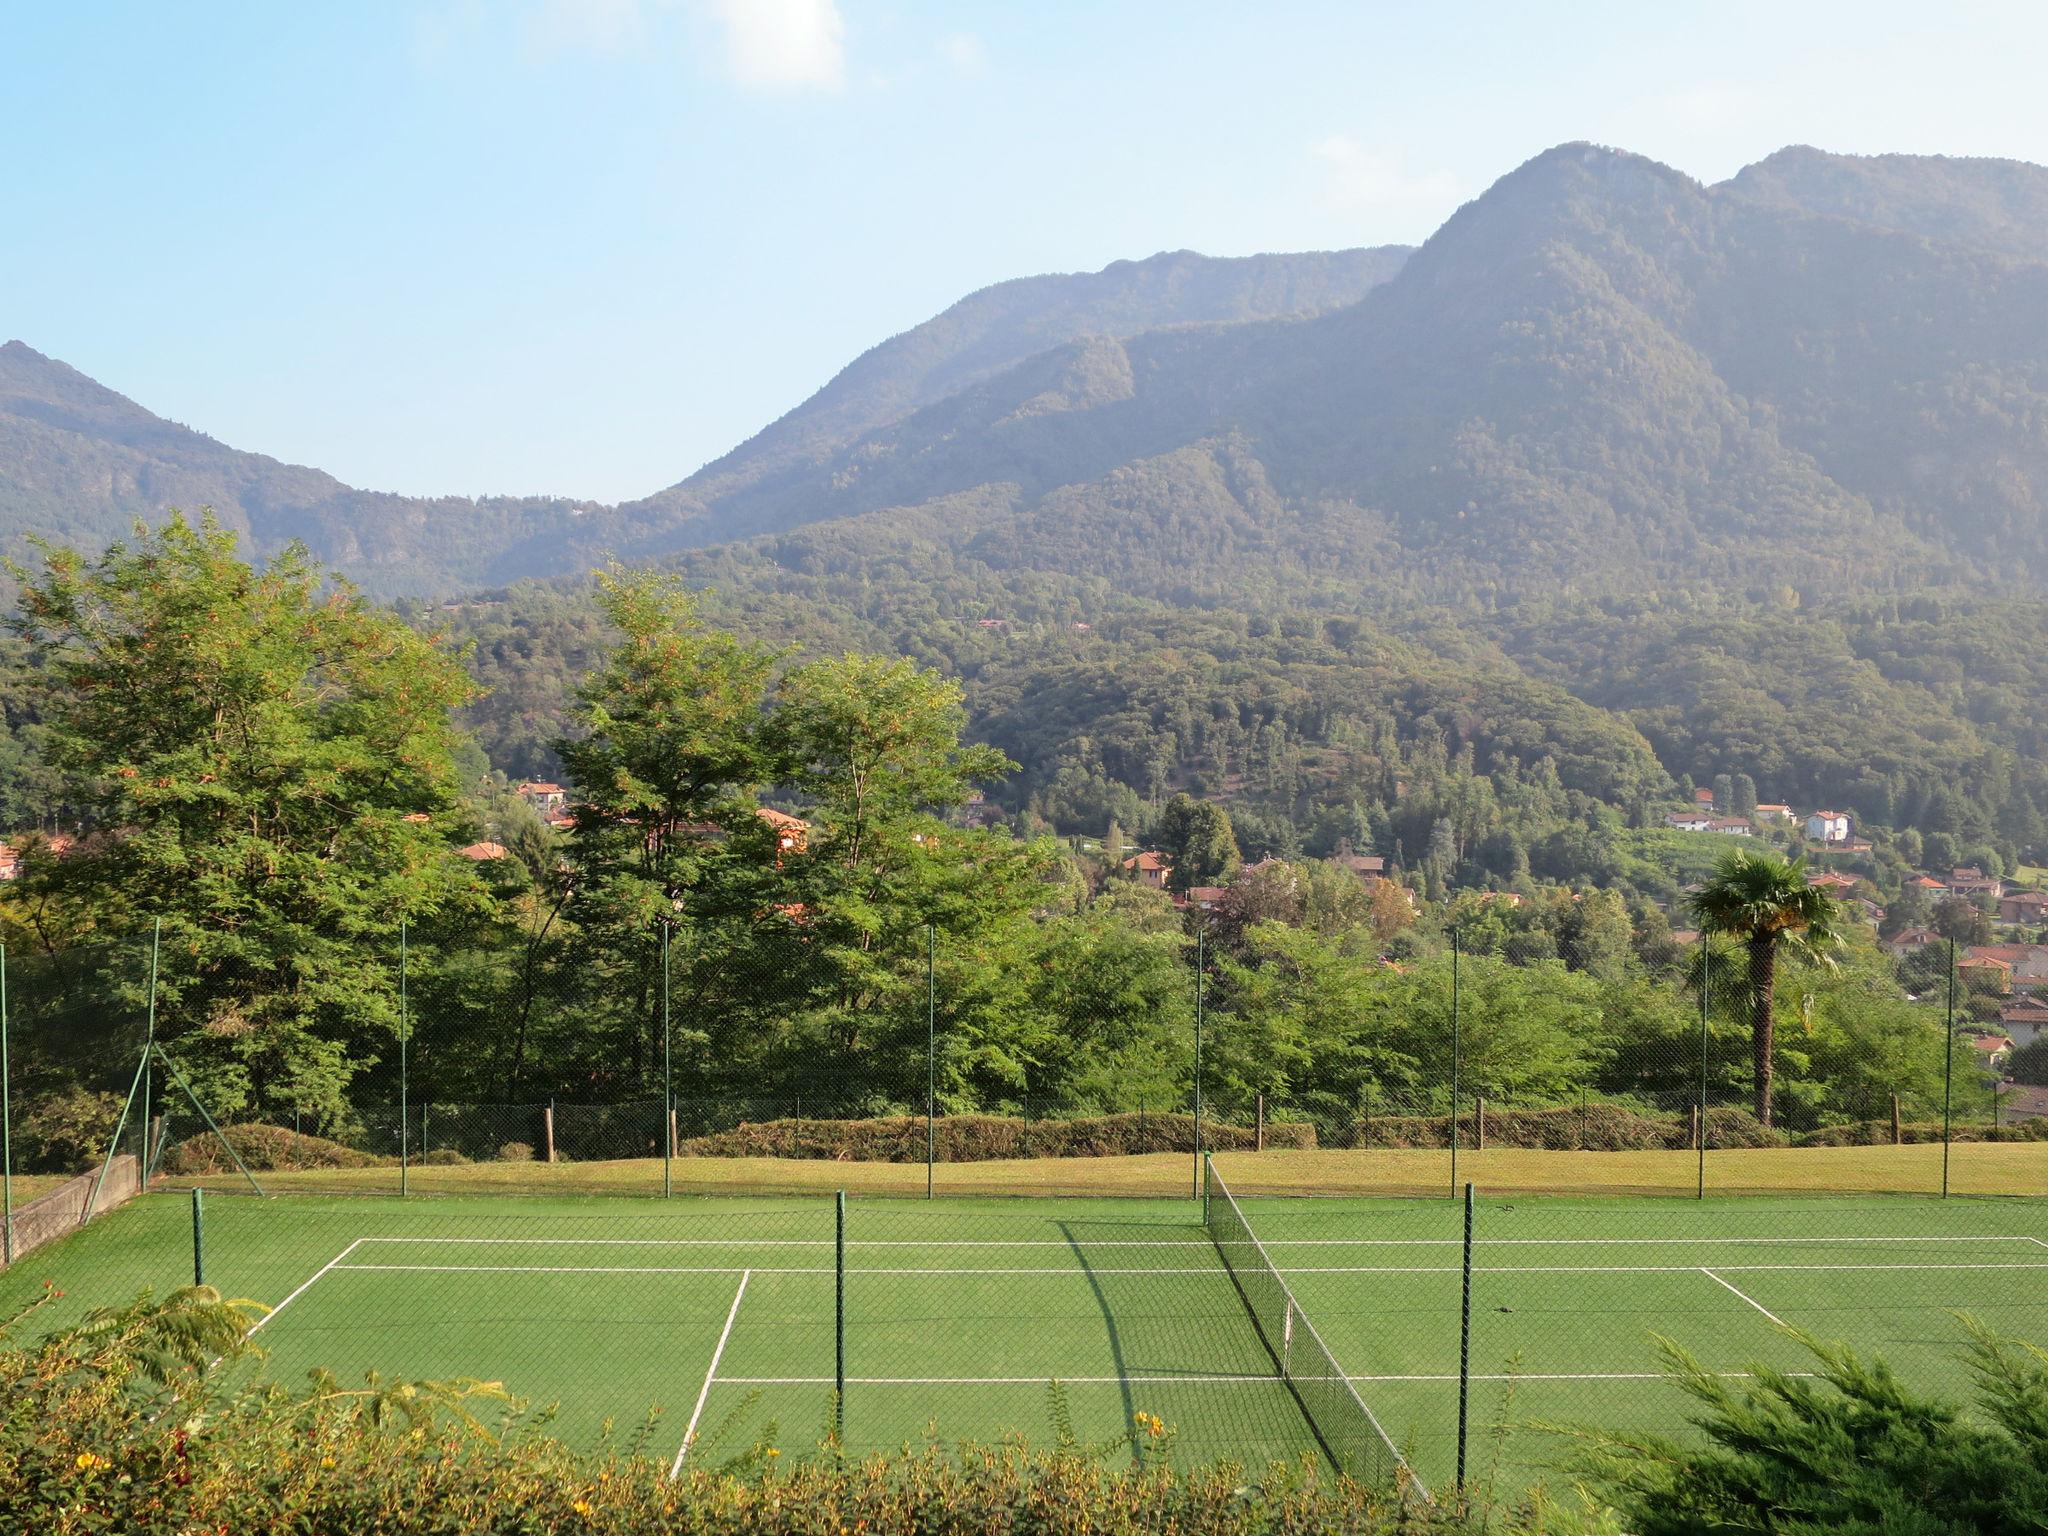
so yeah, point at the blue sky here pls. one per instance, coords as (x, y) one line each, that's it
(582, 246)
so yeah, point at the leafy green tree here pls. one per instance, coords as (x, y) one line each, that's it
(1768, 905)
(1198, 837)
(1959, 918)
(667, 756)
(267, 764)
(874, 746)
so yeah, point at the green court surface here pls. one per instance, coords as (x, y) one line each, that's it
(720, 1312)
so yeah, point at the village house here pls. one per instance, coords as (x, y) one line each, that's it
(1991, 1049)
(1363, 865)
(2021, 1101)
(485, 852)
(1689, 821)
(1927, 885)
(1828, 827)
(1834, 884)
(2027, 909)
(1731, 826)
(1704, 798)
(1775, 812)
(2023, 1021)
(1974, 882)
(1150, 869)
(1908, 941)
(792, 833)
(1203, 898)
(2026, 965)
(541, 795)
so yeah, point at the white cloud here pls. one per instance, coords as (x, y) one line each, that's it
(783, 45)
(964, 53)
(1358, 180)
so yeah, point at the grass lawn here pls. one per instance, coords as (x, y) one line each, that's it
(651, 1316)
(1990, 1168)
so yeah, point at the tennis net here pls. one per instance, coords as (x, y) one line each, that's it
(1346, 1429)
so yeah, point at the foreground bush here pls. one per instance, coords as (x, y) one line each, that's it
(1593, 1128)
(982, 1138)
(1847, 1451)
(131, 1423)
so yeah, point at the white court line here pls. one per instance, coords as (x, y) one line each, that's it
(710, 1374)
(1077, 1272)
(1281, 1242)
(305, 1286)
(1767, 1312)
(1217, 1380)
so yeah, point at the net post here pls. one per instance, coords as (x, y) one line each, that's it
(1948, 1070)
(1706, 972)
(1465, 1341)
(1208, 1177)
(198, 1235)
(404, 1043)
(6, 1130)
(1457, 1047)
(839, 1323)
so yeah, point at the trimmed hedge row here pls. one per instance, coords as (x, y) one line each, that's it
(1878, 1133)
(1595, 1128)
(984, 1138)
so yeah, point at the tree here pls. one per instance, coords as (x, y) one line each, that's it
(1198, 837)
(667, 758)
(1958, 918)
(1769, 906)
(267, 763)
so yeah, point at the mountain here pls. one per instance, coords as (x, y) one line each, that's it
(1599, 372)
(79, 462)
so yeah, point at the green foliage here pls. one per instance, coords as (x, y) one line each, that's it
(1848, 1448)
(266, 768)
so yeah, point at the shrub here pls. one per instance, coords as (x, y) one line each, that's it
(442, 1157)
(982, 1138)
(144, 1420)
(264, 1147)
(1595, 1128)
(515, 1152)
(1845, 1448)
(67, 1132)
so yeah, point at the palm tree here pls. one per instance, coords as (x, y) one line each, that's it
(1767, 905)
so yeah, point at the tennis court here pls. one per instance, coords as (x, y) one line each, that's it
(958, 1313)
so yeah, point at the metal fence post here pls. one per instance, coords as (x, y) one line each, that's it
(668, 1149)
(198, 1236)
(931, 1055)
(1457, 1046)
(6, 1130)
(1948, 1070)
(1465, 1341)
(404, 1044)
(1201, 965)
(1706, 972)
(839, 1324)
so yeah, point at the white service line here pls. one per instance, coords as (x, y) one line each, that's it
(1074, 1273)
(1277, 1242)
(710, 1375)
(305, 1286)
(1217, 1380)
(1767, 1312)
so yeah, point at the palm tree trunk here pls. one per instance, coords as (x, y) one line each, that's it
(1763, 1022)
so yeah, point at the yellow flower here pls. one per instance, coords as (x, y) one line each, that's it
(87, 1461)
(326, 1461)
(581, 1506)
(773, 1452)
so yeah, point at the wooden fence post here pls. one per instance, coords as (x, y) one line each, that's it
(1259, 1126)
(1898, 1131)
(1479, 1122)
(547, 1131)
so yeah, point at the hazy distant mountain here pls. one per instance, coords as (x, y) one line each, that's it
(1826, 372)
(1599, 368)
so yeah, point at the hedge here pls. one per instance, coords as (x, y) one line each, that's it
(265, 1147)
(1593, 1128)
(982, 1138)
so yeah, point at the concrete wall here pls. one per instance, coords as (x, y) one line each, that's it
(46, 1219)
